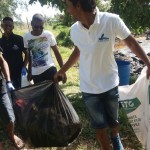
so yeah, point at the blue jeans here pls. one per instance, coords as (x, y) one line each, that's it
(6, 109)
(102, 108)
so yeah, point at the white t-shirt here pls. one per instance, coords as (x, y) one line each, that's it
(98, 69)
(39, 47)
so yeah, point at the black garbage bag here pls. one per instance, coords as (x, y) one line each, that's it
(44, 115)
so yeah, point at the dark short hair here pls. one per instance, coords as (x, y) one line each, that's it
(7, 19)
(86, 5)
(38, 17)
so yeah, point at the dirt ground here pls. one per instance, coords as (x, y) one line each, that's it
(78, 144)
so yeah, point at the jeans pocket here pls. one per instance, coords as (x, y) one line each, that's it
(113, 93)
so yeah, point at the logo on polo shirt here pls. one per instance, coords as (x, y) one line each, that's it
(15, 47)
(103, 38)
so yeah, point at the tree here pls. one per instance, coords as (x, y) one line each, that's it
(135, 13)
(7, 8)
(104, 5)
(60, 4)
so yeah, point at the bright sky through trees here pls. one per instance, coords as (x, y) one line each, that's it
(28, 11)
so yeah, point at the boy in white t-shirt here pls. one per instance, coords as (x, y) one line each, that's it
(39, 42)
(94, 35)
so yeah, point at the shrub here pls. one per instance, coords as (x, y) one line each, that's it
(63, 39)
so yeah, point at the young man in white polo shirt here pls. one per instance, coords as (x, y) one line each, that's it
(94, 36)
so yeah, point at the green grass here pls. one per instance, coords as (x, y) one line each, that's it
(56, 29)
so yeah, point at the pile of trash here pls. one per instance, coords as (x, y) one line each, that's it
(136, 65)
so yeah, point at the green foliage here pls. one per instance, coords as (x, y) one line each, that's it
(60, 4)
(103, 6)
(64, 18)
(63, 38)
(7, 8)
(54, 3)
(135, 13)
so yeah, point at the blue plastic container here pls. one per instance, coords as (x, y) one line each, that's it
(123, 71)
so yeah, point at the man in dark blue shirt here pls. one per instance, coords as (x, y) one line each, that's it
(13, 49)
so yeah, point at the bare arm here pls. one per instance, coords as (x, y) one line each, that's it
(57, 55)
(70, 62)
(4, 68)
(138, 50)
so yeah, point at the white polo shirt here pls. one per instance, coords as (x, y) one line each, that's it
(98, 70)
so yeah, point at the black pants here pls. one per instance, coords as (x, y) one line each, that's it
(46, 75)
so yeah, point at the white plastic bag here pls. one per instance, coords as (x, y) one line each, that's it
(25, 82)
(135, 100)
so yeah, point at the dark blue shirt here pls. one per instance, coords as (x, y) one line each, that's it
(12, 53)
